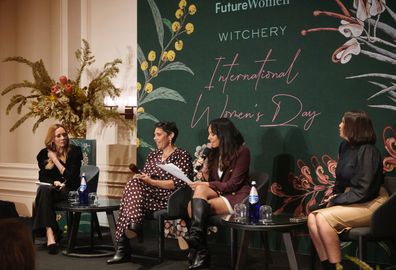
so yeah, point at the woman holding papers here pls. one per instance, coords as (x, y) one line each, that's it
(59, 164)
(149, 190)
(227, 184)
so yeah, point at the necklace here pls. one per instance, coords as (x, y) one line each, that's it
(165, 156)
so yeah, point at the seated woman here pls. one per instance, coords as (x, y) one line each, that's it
(149, 190)
(228, 184)
(59, 165)
(357, 191)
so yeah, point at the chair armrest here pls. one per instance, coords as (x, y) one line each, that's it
(381, 222)
(178, 201)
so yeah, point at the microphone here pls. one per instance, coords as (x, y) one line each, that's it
(203, 156)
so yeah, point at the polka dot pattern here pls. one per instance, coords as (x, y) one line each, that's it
(139, 198)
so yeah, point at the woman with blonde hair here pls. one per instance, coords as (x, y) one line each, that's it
(59, 163)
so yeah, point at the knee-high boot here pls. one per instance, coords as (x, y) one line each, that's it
(197, 236)
(123, 252)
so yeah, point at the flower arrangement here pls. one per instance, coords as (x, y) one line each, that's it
(64, 100)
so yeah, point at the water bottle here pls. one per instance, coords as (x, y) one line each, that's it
(83, 191)
(254, 204)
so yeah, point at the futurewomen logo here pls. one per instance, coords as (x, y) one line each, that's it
(221, 8)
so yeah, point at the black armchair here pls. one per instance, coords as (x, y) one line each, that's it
(383, 225)
(177, 208)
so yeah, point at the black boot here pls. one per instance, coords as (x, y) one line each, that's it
(196, 238)
(328, 265)
(135, 230)
(123, 252)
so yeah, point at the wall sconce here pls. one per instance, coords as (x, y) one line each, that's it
(114, 104)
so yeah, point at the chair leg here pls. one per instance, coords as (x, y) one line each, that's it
(96, 224)
(161, 240)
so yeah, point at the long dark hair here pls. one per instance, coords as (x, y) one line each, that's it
(230, 142)
(358, 128)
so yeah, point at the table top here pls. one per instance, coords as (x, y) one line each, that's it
(282, 222)
(104, 204)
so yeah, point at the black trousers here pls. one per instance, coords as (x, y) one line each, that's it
(45, 216)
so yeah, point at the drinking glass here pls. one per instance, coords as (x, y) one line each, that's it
(265, 213)
(73, 197)
(93, 198)
(240, 211)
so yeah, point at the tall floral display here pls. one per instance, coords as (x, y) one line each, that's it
(64, 99)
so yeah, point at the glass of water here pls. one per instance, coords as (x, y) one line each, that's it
(73, 197)
(240, 212)
(265, 213)
(93, 198)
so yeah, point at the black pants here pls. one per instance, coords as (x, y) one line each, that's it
(45, 215)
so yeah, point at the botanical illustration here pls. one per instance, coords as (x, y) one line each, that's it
(366, 34)
(155, 62)
(64, 100)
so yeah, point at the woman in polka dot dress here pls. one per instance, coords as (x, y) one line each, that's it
(149, 190)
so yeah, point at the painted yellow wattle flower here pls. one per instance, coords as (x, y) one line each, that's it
(163, 56)
(144, 65)
(192, 9)
(151, 56)
(179, 45)
(179, 13)
(175, 26)
(148, 87)
(138, 86)
(182, 4)
(154, 71)
(171, 55)
(140, 110)
(189, 28)
(137, 142)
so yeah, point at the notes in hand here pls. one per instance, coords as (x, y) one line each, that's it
(175, 171)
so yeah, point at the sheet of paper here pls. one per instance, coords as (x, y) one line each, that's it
(175, 171)
(43, 183)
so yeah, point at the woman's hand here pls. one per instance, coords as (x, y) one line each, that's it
(52, 155)
(194, 185)
(144, 177)
(58, 185)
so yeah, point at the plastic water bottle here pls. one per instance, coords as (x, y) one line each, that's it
(83, 191)
(254, 204)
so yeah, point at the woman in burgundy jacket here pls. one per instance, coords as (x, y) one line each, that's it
(227, 184)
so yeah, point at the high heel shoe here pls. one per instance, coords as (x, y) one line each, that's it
(52, 249)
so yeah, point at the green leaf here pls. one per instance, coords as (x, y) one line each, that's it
(177, 66)
(162, 93)
(158, 22)
(141, 58)
(167, 23)
(147, 116)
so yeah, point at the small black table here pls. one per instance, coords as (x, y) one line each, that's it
(74, 214)
(280, 223)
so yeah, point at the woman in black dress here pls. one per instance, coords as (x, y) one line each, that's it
(357, 191)
(59, 163)
(149, 190)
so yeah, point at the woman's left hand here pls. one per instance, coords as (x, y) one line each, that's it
(194, 185)
(144, 177)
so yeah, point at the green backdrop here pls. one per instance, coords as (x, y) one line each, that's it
(267, 65)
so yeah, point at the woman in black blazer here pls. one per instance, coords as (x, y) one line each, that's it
(59, 163)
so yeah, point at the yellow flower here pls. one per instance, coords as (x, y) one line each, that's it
(148, 88)
(140, 110)
(175, 26)
(151, 56)
(137, 142)
(179, 13)
(171, 55)
(182, 4)
(163, 56)
(179, 45)
(189, 28)
(192, 9)
(154, 71)
(144, 65)
(138, 86)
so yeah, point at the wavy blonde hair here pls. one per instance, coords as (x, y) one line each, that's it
(49, 143)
